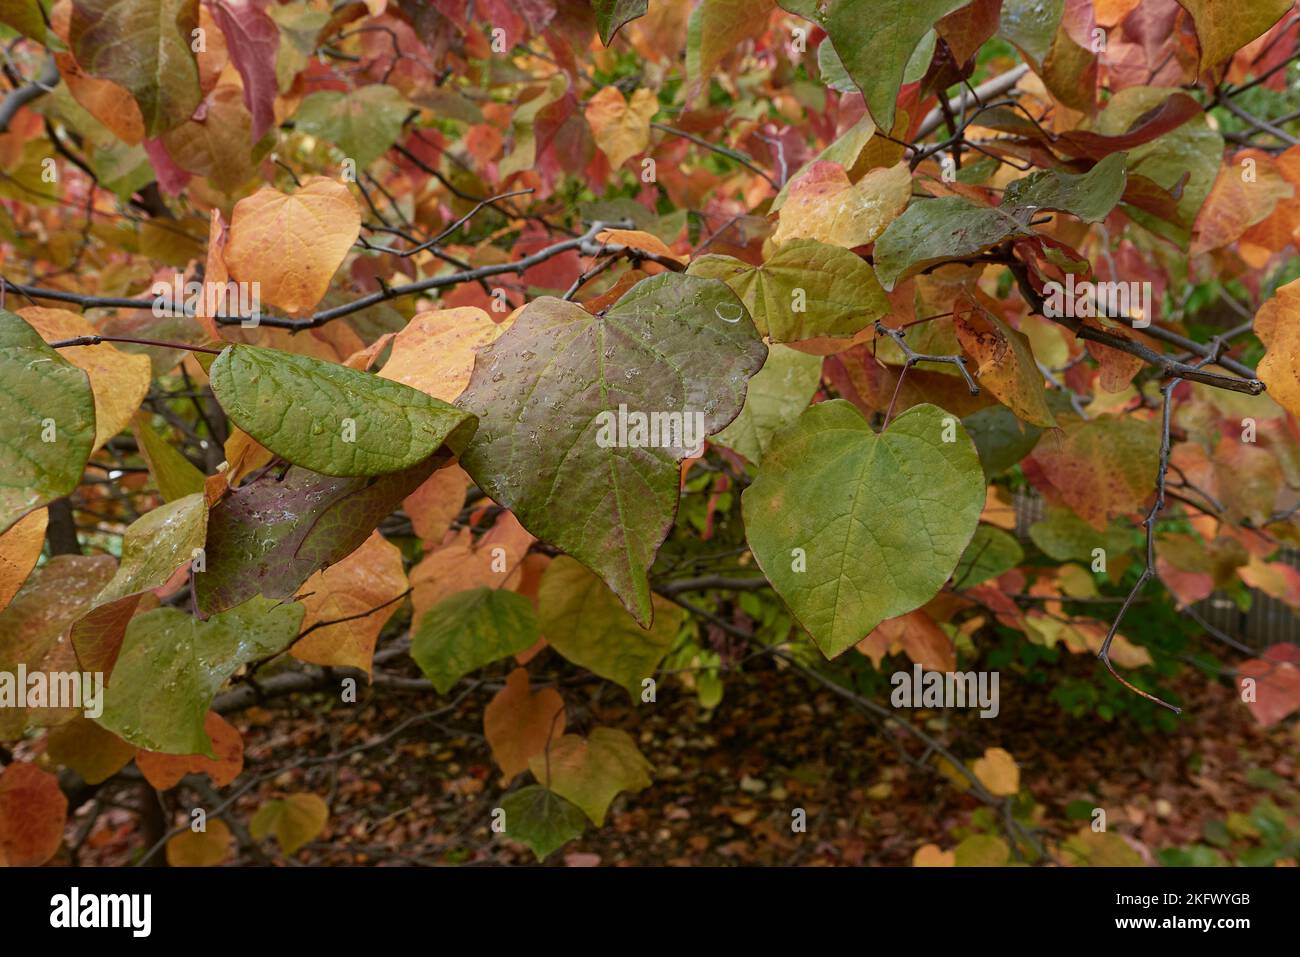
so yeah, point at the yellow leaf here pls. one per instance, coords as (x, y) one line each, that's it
(292, 243)
(1278, 326)
(1225, 26)
(590, 771)
(206, 848)
(621, 128)
(92, 751)
(119, 380)
(1005, 359)
(294, 820)
(20, 546)
(998, 772)
(823, 205)
(364, 588)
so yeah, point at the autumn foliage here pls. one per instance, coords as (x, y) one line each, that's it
(519, 356)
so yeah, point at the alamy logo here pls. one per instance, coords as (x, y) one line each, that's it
(946, 689)
(179, 298)
(1084, 300)
(53, 689)
(102, 910)
(641, 430)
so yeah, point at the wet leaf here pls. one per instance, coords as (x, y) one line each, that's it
(549, 392)
(851, 527)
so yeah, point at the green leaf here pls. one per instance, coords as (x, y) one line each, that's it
(363, 124)
(470, 629)
(591, 771)
(268, 536)
(584, 621)
(1031, 25)
(153, 548)
(172, 665)
(144, 46)
(1000, 438)
(47, 421)
(875, 40)
(1064, 536)
(611, 16)
(332, 419)
(25, 17)
(1187, 157)
(541, 819)
(805, 290)
(990, 553)
(982, 850)
(549, 394)
(175, 476)
(294, 820)
(852, 527)
(1090, 196)
(937, 230)
(777, 394)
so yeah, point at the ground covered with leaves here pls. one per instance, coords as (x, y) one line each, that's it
(1218, 789)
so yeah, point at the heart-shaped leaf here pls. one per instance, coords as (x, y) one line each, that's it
(805, 290)
(591, 771)
(541, 819)
(332, 419)
(294, 820)
(853, 527)
(47, 421)
(781, 390)
(583, 419)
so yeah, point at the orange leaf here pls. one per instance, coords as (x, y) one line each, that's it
(435, 352)
(1278, 326)
(437, 501)
(165, 771)
(19, 549)
(517, 723)
(292, 243)
(460, 564)
(621, 128)
(367, 584)
(918, 636)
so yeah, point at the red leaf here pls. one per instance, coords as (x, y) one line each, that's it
(253, 41)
